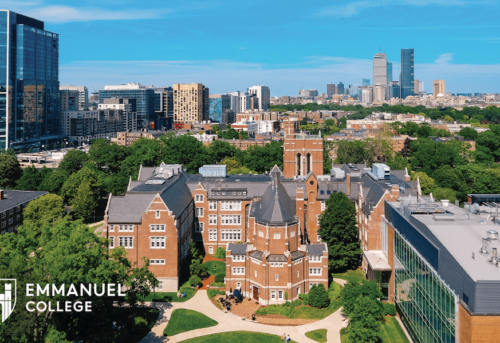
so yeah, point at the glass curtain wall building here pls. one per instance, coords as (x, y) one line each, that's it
(407, 73)
(29, 82)
(389, 73)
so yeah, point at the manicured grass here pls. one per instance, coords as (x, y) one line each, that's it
(391, 332)
(350, 275)
(135, 323)
(186, 320)
(317, 335)
(215, 267)
(237, 336)
(307, 312)
(171, 296)
(343, 338)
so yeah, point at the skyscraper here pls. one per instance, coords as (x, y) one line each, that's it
(389, 73)
(365, 82)
(264, 96)
(29, 82)
(380, 69)
(438, 88)
(407, 73)
(219, 108)
(331, 89)
(340, 88)
(83, 95)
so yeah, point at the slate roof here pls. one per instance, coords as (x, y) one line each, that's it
(277, 258)
(315, 249)
(296, 255)
(257, 254)
(129, 208)
(15, 198)
(237, 249)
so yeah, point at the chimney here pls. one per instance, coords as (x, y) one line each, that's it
(407, 176)
(348, 178)
(395, 191)
(1, 194)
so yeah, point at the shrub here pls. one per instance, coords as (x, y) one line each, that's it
(304, 297)
(198, 269)
(218, 284)
(195, 280)
(219, 277)
(214, 292)
(287, 304)
(296, 303)
(140, 322)
(389, 309)
(318, 296)
(220, 253)
(286, 295)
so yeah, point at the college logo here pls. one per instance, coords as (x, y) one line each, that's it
(8, 298)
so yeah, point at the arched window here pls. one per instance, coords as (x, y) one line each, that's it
(298, 164)
(308, 163)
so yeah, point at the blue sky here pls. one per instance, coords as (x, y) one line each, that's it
(287, 45)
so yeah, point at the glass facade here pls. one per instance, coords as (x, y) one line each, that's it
(215, 109)
(144, 105)
(407, 73)
(29, 82)
(428, 307)
(389, 72)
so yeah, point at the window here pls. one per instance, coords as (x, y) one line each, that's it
(157, 228)
(238, 285)
(11, 211)
(230, 219)
(157, 214)
(160, 285)
(198, 227)
(273, 295)
(199, 198)
(230, 205)
(212, 219)
(276, 277)
(18, 208)
(280, 295)
(315, 258)
(277, 235)
(4, 224)
(156, 261)
(298, 274)
(11, 220)
(239, 270)
(212, 235)
(239, 258)
(126, 242)
(230, 235)
(199, 212)
(111, 228)
(298, 290)
(212, 205)
(18, 217)
(261, 233)
(317, 219)
(112, 242)
(314, 271)
(125, 228)
(292, 234)
(322, 192)
(255, 273)
(276, 264)
(157, 242)
(4, 214)
(210, 250)
(323, 205)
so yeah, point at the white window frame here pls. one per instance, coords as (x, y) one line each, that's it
(199, 198)
(230, 219)
(212, 205)
(273, 295)
(316, 271)
(4, 224)
(277, 235)
(111, 242)
(298, 274)
(255, 273)
(18, 217)
(280, 295)
(11, 220)
(212, 234)
(276, 277)
(315, 258)
(125, 228)
(212, 219)
(317, 219)
(238, 285)
(157, 242)
(157, 214)
(126, 241)
(210, 250)
(111, 228)
(230, 235)
(292, 234)
(160, 286)
(198, 226)
(156, 262)
(230, 205)
(261, 233)
(323, 205)
(238, 258)
(199, 212)
(157, 228)
(298, 290)
(238, 270)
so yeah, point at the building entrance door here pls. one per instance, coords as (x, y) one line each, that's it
(255, 292)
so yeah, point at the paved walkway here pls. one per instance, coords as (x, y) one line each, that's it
(230, 322)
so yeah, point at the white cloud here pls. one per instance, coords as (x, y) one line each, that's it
(444, 58)
(63, 14)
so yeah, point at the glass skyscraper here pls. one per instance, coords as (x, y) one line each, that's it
(389, 73)
(407, 73)
(29, 82)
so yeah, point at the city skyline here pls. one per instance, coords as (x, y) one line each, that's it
(462, 54)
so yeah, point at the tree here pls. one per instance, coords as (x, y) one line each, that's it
(10, 169)
(70, 188)
(318, 296)
(231, 163)
(448, 119)
(107, 156)
(353, 290)
(354, 152)
(186, 150)
(62, 254)
(86, 200)
(444, 193)
(427, 183)
(45, 209)
(73, 161)
(220, 150)
(468, 133)
(242, 170)
(339, 231)
(30, 180)
(397, 162)
(364, 326)
(264, 158)
(54, 181)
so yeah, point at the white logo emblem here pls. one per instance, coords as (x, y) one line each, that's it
(8, 299)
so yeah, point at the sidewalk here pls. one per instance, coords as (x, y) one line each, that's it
(229, 322)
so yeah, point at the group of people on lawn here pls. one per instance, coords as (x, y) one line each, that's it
(285, 337)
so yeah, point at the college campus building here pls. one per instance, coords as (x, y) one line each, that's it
(12, 204)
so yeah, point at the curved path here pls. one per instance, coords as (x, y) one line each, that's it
(230, 322)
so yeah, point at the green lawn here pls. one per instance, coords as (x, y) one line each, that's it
(170, 296)
(215, 267)
(237, 337)
(350, 275)
(343, 338)
(391, 332)
(186, 320)
(317, 335)
(307, 312)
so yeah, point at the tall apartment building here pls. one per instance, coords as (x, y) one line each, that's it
(191, 103)
(143, 96)
(263, 95)
(380, 69)
(389, 72)
(340, 88)
(394, 90)
(379, 93)
(219, 108)
(416, 86)
(234, 101)
(331, 89)
(366, 95)
(29, 83)
(407, 73)
(438, 87)
(83, 95)
(163, 101)
(69, 100)
(308, 93)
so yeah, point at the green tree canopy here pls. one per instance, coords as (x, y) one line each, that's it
(264, 158)
(468, 133)
(73, 161)
(10, 169)
(30, 180)
(46, 209)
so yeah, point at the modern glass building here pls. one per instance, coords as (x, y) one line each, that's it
(219, 107)
(365, 83)
(389, 73)
(340, 88)
(407, 73)
(29, 82)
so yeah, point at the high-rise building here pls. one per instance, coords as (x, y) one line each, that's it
(438, 88)
(168, 102)
(420, 86)
(144, 100)
(263, 94)
(366, 95)
(191, 103)
(353, 90)
(219, 107)
(380, 69)
(365, 82)
(68, 100)
(331, 89)
(407, 73)
(340, 88)
(235, 101)
(29, 83)
(416, 86)
(83, 95)
(379, 92)
(308, 93)
(394, 90)
(389, 72)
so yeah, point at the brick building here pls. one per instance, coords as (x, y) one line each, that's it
(303, 154)
(12, 204)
